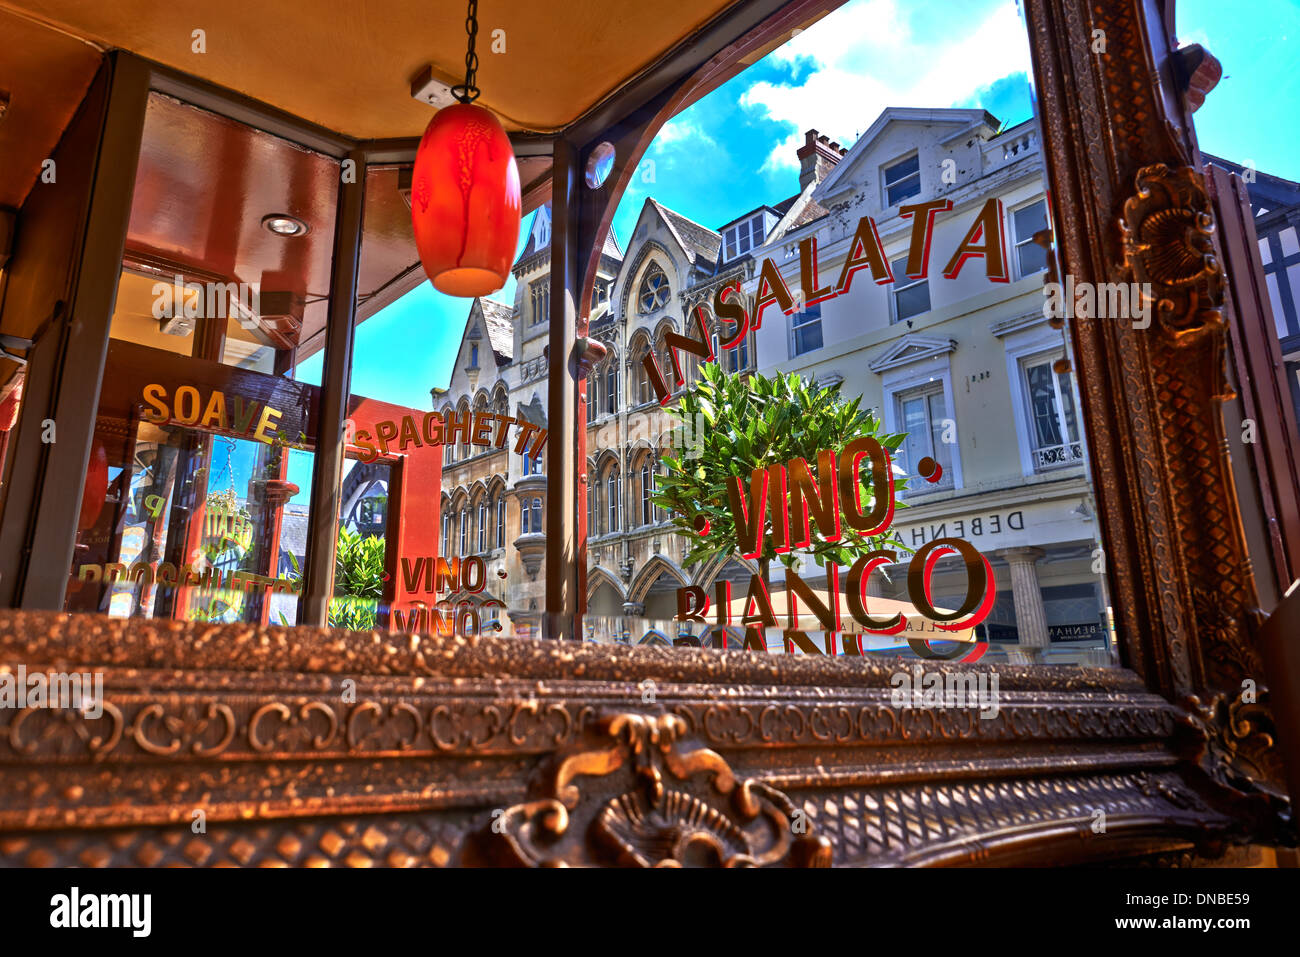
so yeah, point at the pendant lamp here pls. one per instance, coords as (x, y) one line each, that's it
(465, 204)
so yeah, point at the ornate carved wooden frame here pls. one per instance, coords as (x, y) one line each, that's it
(306, 746)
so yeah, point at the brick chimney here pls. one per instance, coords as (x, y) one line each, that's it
(817, 157)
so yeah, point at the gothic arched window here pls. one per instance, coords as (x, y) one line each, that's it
(654, 290)
(644, 476)
(611, 385)
(613, 486)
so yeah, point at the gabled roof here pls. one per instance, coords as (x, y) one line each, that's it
(697, 241)
(497, 316)
(611, 246)
(543, 217)
(961, 121)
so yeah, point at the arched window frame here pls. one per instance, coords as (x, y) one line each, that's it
(465, 450)
(653, 291)
(612, 481)
(611, 384)
(448, 450)
(639, 349)
(593, 395)
(647, 482)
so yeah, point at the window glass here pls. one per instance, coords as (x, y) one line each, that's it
(1027, 221)
(807, 341)
(654, 290)
(911, 296)
(195, 505)
(903, 180)
(924, 418)
(539, 301)
(449, 397)
(806, 326)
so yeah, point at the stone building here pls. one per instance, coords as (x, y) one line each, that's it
(969, 368)
(493, 500)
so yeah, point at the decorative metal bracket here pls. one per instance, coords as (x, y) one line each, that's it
(651, 820)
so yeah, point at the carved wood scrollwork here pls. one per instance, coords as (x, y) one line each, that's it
(1131, 207)
(658, 812)
(1167, 225)
(433, 764)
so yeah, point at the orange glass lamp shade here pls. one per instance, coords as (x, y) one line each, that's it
(465, 205)
(95, 490)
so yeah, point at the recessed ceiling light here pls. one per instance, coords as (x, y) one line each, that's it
(284, 225)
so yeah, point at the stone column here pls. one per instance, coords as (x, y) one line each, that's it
(634, 609)
(876, 584)
(1031, 616)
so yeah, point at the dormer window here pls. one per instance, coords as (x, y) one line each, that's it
(743, 237)
(902, 180)
(542, 228)
(654, 290)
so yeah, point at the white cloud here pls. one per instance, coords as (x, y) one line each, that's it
(873, 54)
(679, 132)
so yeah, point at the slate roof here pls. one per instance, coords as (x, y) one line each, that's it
(609, 249)
(1267, 190)
(783, 207)
(611, 246)
(700, 242)
(497, 318)
(811, 211)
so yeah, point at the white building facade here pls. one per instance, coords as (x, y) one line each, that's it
(967, 366)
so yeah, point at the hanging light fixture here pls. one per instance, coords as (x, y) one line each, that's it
(465, 204)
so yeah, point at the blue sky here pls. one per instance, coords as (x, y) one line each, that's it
(1252, 113)
(735, 149)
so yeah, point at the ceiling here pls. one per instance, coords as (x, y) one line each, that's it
(45, 74)
(203, 185)
(205, 182)
(348, 64)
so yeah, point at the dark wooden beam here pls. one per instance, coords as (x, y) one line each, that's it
(336, 385)
(244, 109)
(67, 366)
(562, 464)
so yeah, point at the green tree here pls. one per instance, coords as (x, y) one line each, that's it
(751, 422)
(358, 580)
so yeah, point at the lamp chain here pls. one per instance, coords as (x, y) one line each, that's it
(467, 92)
